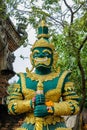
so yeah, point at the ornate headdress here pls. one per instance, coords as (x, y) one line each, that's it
(43, 37)
(43, 41)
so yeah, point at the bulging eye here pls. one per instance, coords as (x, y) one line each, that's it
(46, 54)
(36, 54)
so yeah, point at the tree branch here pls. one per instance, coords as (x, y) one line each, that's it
(70, 11)
(48, 15)
(83, 42)
(77, 9)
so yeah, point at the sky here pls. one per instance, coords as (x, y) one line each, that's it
(20, 64)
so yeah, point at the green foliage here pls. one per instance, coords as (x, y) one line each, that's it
(2, 9)
(67, 59)
(50, 1)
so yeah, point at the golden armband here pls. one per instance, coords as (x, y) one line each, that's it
(62, 108)
(19, 106)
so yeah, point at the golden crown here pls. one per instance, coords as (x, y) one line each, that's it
(43, 37)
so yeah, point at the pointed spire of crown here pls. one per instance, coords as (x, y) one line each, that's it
(43, 37)
(43, 30)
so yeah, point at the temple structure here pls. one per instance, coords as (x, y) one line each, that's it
(9, 42)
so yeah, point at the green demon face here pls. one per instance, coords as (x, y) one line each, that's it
(42, 57)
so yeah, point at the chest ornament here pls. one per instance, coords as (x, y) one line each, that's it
(42, 78)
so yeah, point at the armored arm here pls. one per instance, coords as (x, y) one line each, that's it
(70, 101)
(16, 102)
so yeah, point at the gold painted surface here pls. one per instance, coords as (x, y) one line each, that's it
(21, 129)
(28, 93)
(62, 108)
(46, 50)
(43, 35)
(53, 94)
(63, 129)
(20, 106)
(54, 68)
(61, 79)
(45, 61)
(39, 123)
(69, 86)
(43, 23)
(69, 97)
(50, 95)
(14, 88)
(19, 97)
(45, 121)
(42, 78)
(43, 43)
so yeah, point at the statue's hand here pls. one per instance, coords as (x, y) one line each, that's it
(39, 99)
(42, 111)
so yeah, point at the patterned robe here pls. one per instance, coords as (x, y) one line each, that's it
(56, 87)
